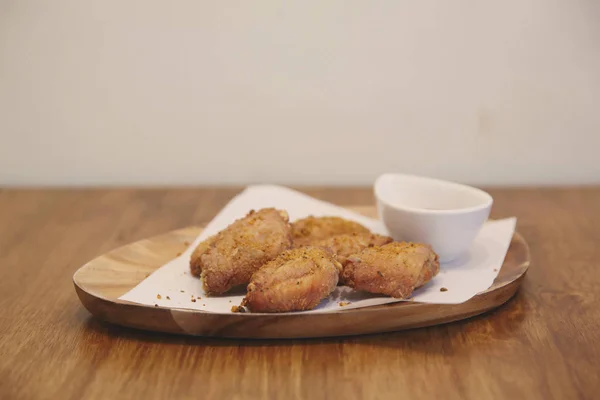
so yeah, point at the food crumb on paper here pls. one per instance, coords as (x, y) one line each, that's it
(495, 269)
(182, 291)
(193, 300)
(158, 296)
(168, 298)
(443, 289)
(344, 303)
(238, 309)
(155, 305)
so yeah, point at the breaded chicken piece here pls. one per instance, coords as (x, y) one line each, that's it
(309, 230)
(343, 246)
(296, 280)
(394, 269)
(230, 257)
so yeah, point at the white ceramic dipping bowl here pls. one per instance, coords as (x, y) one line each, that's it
(444, 214)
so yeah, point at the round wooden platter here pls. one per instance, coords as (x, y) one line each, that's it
(103, 280)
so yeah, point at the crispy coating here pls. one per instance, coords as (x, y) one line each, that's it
(196, 258)
(296, 280)
(310, 230)
(394, 269)
(343, 246)
(230, 257)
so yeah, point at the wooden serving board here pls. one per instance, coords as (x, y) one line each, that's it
(103, 280)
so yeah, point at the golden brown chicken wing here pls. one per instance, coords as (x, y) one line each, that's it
(343, 246)
(394, 269)
(309, 230)
(296, 280)
(230, 257)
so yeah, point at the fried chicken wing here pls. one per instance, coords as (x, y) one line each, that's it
(230, 257)
(309, 230)
(394, 269)
(296, 280)
(343, 246)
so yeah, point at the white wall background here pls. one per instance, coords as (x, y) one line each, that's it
(306, 92)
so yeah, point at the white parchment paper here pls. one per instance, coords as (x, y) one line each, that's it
(464, 278)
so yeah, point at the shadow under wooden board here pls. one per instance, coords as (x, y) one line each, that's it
(103, 280)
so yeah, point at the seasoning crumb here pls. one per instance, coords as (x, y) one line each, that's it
(193, 300)
(186, 243)
(204, 304)
(178, 254)
(238, 309)
(443, 289)
(230, 301)
(168, 298)
(343, 303)
(182, 291)
(158, 296)
(155, 305)
(495, 269)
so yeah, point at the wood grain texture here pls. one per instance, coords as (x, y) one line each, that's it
(100, 282)
(543, 344)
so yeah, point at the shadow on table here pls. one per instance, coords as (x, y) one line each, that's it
(499, 324)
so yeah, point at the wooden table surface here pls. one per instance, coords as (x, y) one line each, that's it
(544, 343)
